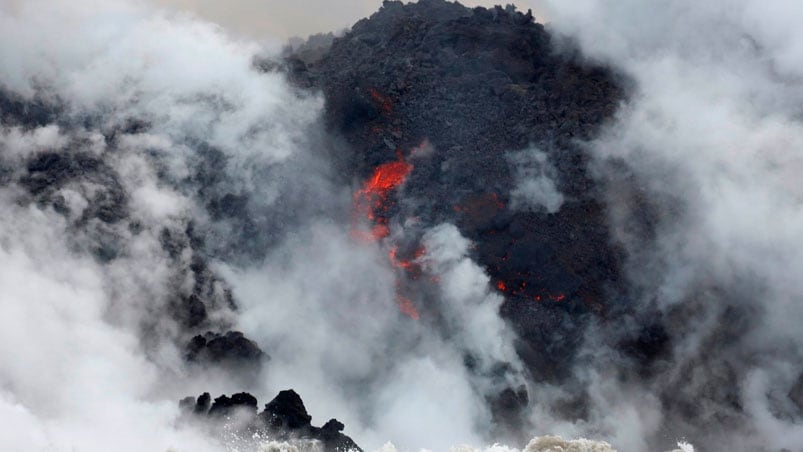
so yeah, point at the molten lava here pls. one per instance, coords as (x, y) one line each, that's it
(407, 264)
(413, 270)
(520, 291)
(373, 201)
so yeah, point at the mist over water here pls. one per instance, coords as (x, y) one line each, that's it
(700, 171)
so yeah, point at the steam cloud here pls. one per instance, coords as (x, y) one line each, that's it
(147, 98)
(535, 187)
(711, 139)
(700, 168)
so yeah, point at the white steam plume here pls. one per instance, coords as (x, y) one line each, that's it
(323, 305)
(713, 137)
(79, 373)
(94, 357)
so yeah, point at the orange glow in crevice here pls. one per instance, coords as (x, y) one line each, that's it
(407, 264)
(520, 291)
(371, 204)
(372, 201)
(413, 270)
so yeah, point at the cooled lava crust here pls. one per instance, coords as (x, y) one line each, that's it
(477, 85)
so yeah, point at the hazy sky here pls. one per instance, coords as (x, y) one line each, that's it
(286, 18)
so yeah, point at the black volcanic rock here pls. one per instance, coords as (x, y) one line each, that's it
(287, 410)
(224, 406)
(284, 418)
(479, 84)
(49, 172)
(230, 349)
(652, 342)
(509, 409)
(203, 404)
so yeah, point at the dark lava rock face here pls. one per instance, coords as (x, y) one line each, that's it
(232, 349)
(478, 85)
(284, 418)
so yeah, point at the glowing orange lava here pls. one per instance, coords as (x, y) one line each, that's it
(407, 264)
(558, 297)
(372, 201)
(520, 291)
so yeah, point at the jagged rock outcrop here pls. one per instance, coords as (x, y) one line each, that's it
(284, 418)
(232, 349)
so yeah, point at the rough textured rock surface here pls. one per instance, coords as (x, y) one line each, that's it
(479, 85)
(284, 418)
(232, 349)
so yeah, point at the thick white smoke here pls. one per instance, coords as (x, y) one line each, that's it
(71, 379)
(323, 305)
(93, 357)
(535, 182)
(713, 138)
(76, 373)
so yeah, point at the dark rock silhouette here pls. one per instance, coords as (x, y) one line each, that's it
(284, 418)
(223, 405)
(232, 347)
(287, 410)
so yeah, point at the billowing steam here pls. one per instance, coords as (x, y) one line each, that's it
(156, 185)
(155, 124)
(702, 166)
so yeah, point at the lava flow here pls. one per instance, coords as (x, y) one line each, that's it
(413, 270)
(520, 291)
(372, 201)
